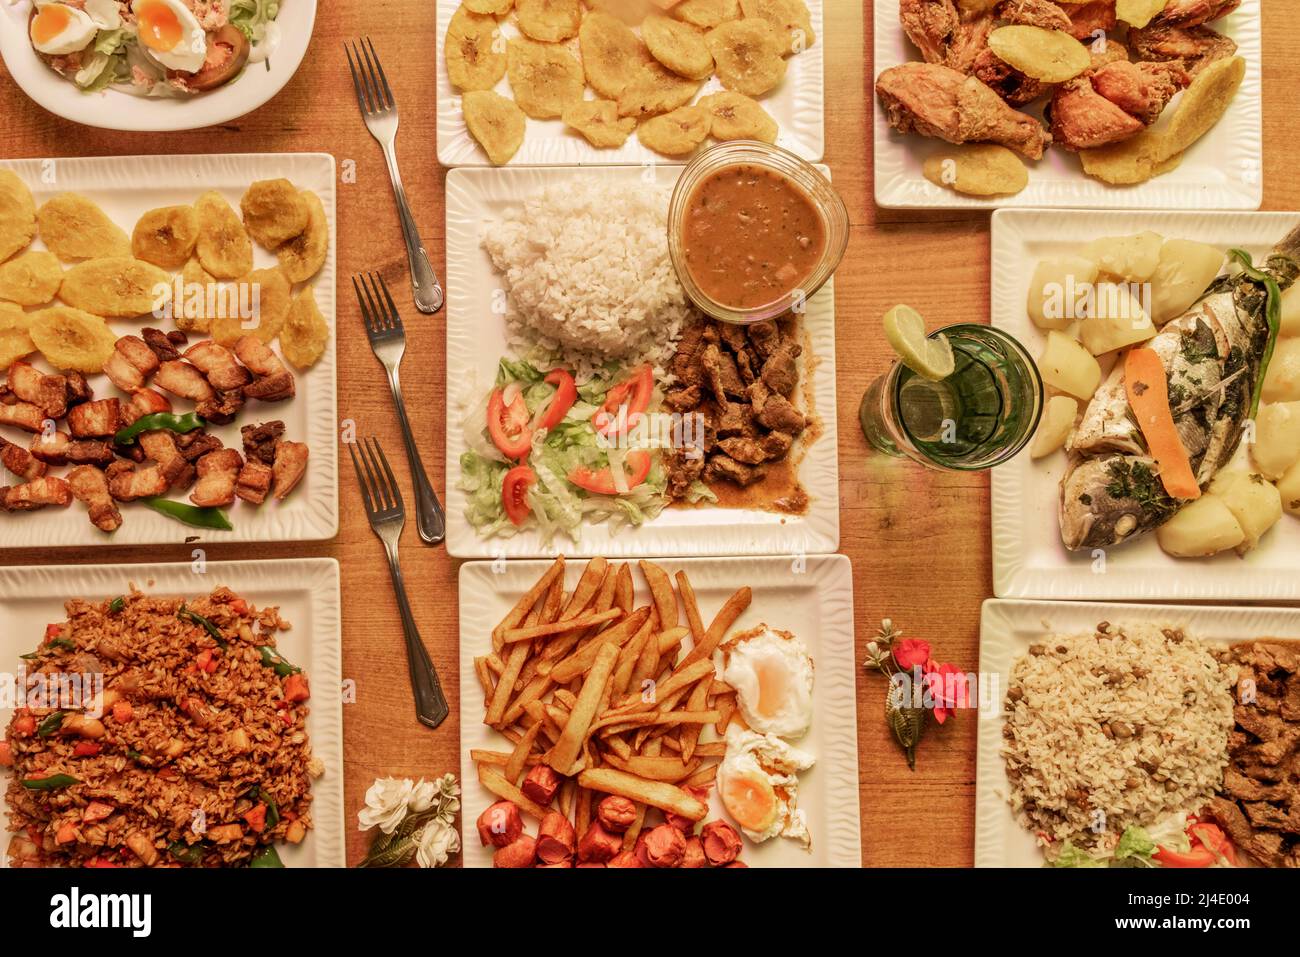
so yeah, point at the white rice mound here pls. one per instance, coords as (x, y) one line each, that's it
(1132, 723)
(587, 274)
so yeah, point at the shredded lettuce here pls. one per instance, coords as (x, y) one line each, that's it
(1135, 847)
(100, 72)
(698, 492)
(252, 16)
(1071, 856)
(109, 42)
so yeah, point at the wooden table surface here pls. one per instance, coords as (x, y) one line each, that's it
(919, 541)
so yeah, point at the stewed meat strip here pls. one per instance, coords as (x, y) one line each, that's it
(35, 494)
(290, 465)
(218, 364)
(90, 486)
(778, 414)
(93, 420)
(131, 363)
(217, 474)
(21, 462)
(723, 467)
(748, 451)
(780, 371)
(49, 393)
(184, 380)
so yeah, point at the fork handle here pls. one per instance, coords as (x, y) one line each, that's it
(430, 703)
(430, 519)
(425, 287)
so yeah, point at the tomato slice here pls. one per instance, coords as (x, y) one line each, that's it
(566, 393)
(508, 425)
(1196, 857)
(601, 481)
(514, 493)
(635, 392)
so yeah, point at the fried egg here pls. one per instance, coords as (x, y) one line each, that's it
(773, 677)
(758, 786)
(58, 29)
(171, 34)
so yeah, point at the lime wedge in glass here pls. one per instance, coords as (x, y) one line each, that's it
(929, 358)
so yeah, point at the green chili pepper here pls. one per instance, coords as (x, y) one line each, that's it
(31, 656)
(50, 783)
(51, 724)
(194, 618)
(255, 793)
(133, 754)
(190, 514)
(266, 857)
(185, 853)
(116, 605)
(159, 420)
(274, 660)
(65, 643)
(1274, 314)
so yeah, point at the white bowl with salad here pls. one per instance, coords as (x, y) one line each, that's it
(154, 65)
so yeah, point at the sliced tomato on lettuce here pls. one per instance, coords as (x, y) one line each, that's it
(514, 493)
(625, 403)
(601, 481)
(508, 423)
(566, 393)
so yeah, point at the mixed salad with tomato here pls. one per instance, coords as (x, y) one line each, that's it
(549, 452)
(1181, 840)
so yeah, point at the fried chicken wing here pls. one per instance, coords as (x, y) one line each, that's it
(218, 472)
(1142, 90)
(90, 486)
(1090, 21)
(1083, 119)
(1035, 13)
(937, 101)
(930, 25)
(1197, 47)
(1191, 13)
(130, 363)
(35, 494)
(49, 393)
(184, 380)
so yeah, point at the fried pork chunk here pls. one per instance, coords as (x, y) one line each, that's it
(90, 486)
(218, 472)
(260, 440)
(274, 382)
(218, 365)
(22, 415)
(183, 380)
(144, 402)
(160, 446)
(21, 462)
(290, 465)
(49, 393)
(130, 363)
(254, 481)
(35, 494)
(99, 419)
(126, 482)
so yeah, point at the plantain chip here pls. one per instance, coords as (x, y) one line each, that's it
(656, 89)
(74, 228)
(678, 132)
(223, 246)
(200, 300)
(549, 21)
(166, 236)
(977, 169)
(791, 20)
(495, 8)
(612, 55)
(496, 122)
(748, 56)
(678, 46)
(17, 214)
(71, 339)
(599, 122)
(15, 335)
(118, 287)
(737, 117)
(305, 333)
(1052, 56)
(31, 278)
(267, 294)
(1138, 13)
(303, 256)
(545, 77)
(707, 14)
(274, 211)
(475, 51)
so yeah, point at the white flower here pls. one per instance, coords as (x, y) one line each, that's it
(423, 795)
(386, 804)
(436, 843)
(872, 649)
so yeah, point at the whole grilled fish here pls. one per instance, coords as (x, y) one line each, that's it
(1212, 354)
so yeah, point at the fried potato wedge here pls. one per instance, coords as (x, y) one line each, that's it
(678, 46)
(656, 89)
(305, 333)
(223, 246)
(302, 256)
(166, 236)
(274, 211)
(748, 56)
(598, 121)
(545, 77)
(74, 228)
(495, 122)
(17, 214)
(1052, 56)
(31, 278)
(977, 169)
(475, 51)
(676, 133)
(71, 339)
(612, 55)
(791, 19)
(735, 116)
(549, 21)
(15, 335)
(119, 287)
(707, 14)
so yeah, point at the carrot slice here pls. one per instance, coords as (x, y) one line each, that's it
(1148, 395)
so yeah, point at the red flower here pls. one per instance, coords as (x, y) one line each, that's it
(911, 652)
(948, 688)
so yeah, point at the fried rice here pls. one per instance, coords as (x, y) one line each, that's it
(193, 750)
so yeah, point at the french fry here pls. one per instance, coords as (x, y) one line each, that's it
(619, 747)
(666, 797)
(654, 768)
(624, 593)
(519, 756)
(499, 758)
(693, 619)
(618, 723)
(627, 660)
(582, 813)
(661, 590)
(496, 663)
(501, 696)
(582, 659)
(680, 679)
(705, 775)
(697, 701)
(647, 665)
(726, 617)
(564, 755)
(536, 687)
(484, 674)
(494, 781)
(554, 600)
(634, 829)
(566, 697)
(566, 796)
(726, 705)
(586, 589)
(537, 715)
(557, 627)
(527, 601)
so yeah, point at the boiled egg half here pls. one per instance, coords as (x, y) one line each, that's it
(773, 677)
(58, 29)
(171, 34)
(759, 787)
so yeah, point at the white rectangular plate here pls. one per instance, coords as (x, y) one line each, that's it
(1222, 171)
(476, 341)
(1008, 628)
(125, 187)
(796, 105)
(1029, 560)
(813, 601)
(307, 593)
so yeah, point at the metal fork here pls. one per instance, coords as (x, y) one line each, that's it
(379, 111)
(384, 509)
(388, 340)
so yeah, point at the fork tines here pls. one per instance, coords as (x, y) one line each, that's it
(379, 487)
(378, 310)
(373, 93)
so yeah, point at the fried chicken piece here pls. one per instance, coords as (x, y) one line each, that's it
(969, 42)
(217, 474)
(1142, 90)
(22, 415)
(51, 447)
(49, 393)
(1191, 13)
(1083, 119)
(90, 486)
(126, 483)
(130, 363)
(930, 25)
(1035, 13)
(182, 379)
(93, 420)
(274, 381)
(20, 461)
(1006, 81)
(35, 494)
(289, 468)
(1090, 21)
(144, 402)
(936, 101)
(1197, 47)
(254, 481)
(218, 365)
(160, 446)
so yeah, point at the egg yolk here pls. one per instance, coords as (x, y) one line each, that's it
(50, 22)
(160, 28)
(751, 801)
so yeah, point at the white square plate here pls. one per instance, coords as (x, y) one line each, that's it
(307, 593)
(813, 602)
(1029, 560)
(1222, 171)
(125, 187)
(796, 105)
(1008, 628)
(476, 341)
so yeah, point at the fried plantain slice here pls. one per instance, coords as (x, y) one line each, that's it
(475, 51)
(612, 55)
(303, 256)
(496, 8)
(17, 214)
(791, 20)
(748, 56)
(75, 228)
(737, 117)
(306, 332)
(707, 14)
(166, 236)
(678, 46)
(15, 335)
(31, 278)
(549, 21)
(72, 339)
(496, 122)
(545, 77)
(117, 287)
(599, 122)
(223, 246)
(656, 89)
(274, 212)
(676, 133)
(268, 295)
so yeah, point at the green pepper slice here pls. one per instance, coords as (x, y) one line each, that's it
(190, 514)
(159, 420)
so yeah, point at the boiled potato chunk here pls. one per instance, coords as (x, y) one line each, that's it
(1068, 367)
(1058, 420)
(1254, 502)
(1277, 439)
(1057, 288)
(1204, 527)
(1184, 272)
(1291, 312)
(1282, 383)
(1117, 320)
(1133, 258)
(1289, 489)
